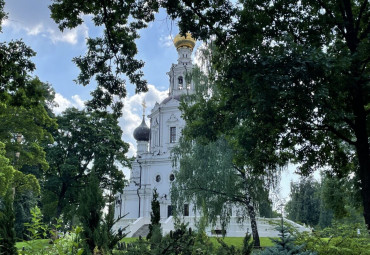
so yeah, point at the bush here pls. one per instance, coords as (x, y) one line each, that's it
(286, 244)
(338, 240)
(62, 244)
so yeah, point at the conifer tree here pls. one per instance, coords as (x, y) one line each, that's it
(155, 216)
(285, 244)
(90, 215)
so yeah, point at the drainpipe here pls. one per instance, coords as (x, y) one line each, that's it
(120, 205)
(138, 194)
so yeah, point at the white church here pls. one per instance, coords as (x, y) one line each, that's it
(153, 167)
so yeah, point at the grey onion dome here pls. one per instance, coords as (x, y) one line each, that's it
(142, 132)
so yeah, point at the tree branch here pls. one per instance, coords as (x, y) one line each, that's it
(328, 11)
(362, 9)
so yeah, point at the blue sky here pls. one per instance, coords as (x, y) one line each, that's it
(30, 21)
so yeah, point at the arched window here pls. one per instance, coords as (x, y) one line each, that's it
(180, 80)
(158, 178)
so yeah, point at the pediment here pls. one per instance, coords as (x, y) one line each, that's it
(173, 118)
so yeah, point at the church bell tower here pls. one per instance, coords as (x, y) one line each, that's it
(179, 83)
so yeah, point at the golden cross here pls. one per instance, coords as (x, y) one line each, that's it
(144, 106)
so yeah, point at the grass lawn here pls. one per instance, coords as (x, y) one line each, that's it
(236, 241)
(35, 243)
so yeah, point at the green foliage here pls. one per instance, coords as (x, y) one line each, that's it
(107, 227)
(90, 214)
(63, 244)
(2, 13)
(339, 240)
(341, 195)
(185, 241)
(247, 245)
(24, 107)
(84, 142)
(287, 88)
(155, 216)
(318, 204)
(207, 175)
(23, 203)
(304, 203)
(6, 171)
(7, 233)
(37, 228)
(286, 244)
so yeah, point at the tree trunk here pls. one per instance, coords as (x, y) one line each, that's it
(362, 144)
(365, 183)
(362, 150)
(252, 216)
(60, 200)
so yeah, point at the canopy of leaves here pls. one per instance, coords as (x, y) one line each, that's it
(292, 83)
(208, 176)
(84, 142)
(24, 107)
(304, 203)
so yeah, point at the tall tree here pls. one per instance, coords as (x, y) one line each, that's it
(304, 203)
(155, 216)
(90, 214)
(293, 81)
(207, 175)
(341, 197)
(7, 233)
(84, 142)
(293, 78)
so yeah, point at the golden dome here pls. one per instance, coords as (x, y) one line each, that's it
(184, 41)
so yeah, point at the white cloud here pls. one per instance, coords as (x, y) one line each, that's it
(78, 101)
(166, 41)
(64, 103)
(33, 18)
(35, 30)
(68, 36)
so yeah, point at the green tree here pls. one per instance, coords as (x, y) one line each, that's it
(292, 82)
(7, 233)
(340, 239)
(84, 142)
(23, 203)
(292, 78)
(25, 118)
(155, 216)
(285, 244)
(304, 203)
(6, 171)
(90, 214)
(341, 194)
(207, 175)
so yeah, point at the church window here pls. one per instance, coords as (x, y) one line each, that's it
(172, 134)
(172, 177)
(186, 209)
(158, 178)
(180, 80)
(169, 211)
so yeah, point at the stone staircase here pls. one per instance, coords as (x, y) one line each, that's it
(142, 231)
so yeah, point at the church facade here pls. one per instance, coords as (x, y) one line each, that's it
(153, 166)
